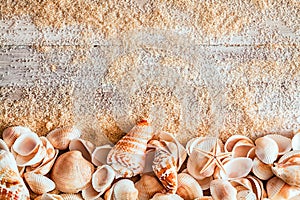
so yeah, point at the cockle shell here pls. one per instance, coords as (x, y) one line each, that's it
(47, 196)
(161, 196)
(188, 187)
(122, 190)
(99, 155)
(71, 196)
(71, 172)
(257, 187)
(89, 193)
(246, 195)
(279, 190)
(127, 157)
(84, 146)
(11, 183)
(241, 184)
(236, 168)
(296, 141)
(38, 183)
(102, 178)
(165, 168)
(222, 190)
(261, 170)
(26, 144)
(284, 144)
(148, 186)
(60, 138)
(266, 149)
(205, 183)
(239, 145)
(10, 134)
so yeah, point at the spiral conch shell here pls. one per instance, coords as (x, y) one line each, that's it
(11, 183)
(127, 157)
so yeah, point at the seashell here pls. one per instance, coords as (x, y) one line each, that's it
(205, 198)
(60, 138)
(127, 157)
(241, 184)
(147, 186)
(246, 195)
(236, 168)
(3, 145)
(10, 134)
(233, 140)
(122, 190)
(26, 144)
(150, 153)
(205, 183)
(261, 170)
(289, 173)
(266, 150)
(284, 144)
(161, 196)
(102, 178)
(71, 172)
(71, 196)
(222, 189)
(274, 185)
(291, 156)
(89, 193)
(48, 196)
(251, 153)
(296, 141)
(257, 187)
(188, 187)
(99, 155)
(84, 146)
(279, 190)
(38, 183)
(192, 143)
(164, 167)
(11, 183)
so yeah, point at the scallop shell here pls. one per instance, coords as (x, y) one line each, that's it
(161, 196)
(236, 168)
(261, 170)
(60, 138)
(3, 145)
(122, 190)
(148, 186)
(102, 178)
(127, 157)
(71, 172)
(164, 167)
(296, 141)
(222, 190)
(99, 155)
(284, 144)
(11, 183)
(84, 146)
(10, 134)
(38, 183)
(188, 187)
(266, 149)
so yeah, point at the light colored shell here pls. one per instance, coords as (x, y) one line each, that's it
(274, 185)
(89, 193)
(165, 168)
(26, 144)
(161, 196)
(71, 196)
(296, 141)
(233, 140)
(10, 134)
(205, 183)
(192, 143)
(236, 168)
(266, 150)
(3, 145)
(127, 157)
(241, 184)
(99, 155)
(122, 190)
(150, 153)
(284, 144)
(278, 189)
(251, 153)
(222, 190)
(205, 198)
(261, 170)
(48, 196)
(188, 187)
(71, 172)
(84, 146)
(38, 183)
(246, 195)
(60, 138)
(102, 178)
(11, 183)
(290, 157)
(257, 187)
(148, 186)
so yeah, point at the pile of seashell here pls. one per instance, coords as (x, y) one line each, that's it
(147, 164)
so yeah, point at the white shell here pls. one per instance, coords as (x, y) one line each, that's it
(188, 187)
(84, 146)
(71, 196)
(60, 138)
(296, 141)
(38, 183)
(10, 134)
(231, 142)
(26, 144)
(236, 168)
(102, 178)
(99, 155)
(122, 190)
(3, 145)
(222, 190)
(266, 150)
(261, 170)
(246, 195)
(160, 196)
(284, 144)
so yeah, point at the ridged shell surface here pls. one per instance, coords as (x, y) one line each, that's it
(38, 183)
(266, 149)
(148, 186)
(188, 187)
(222, 190)
(60, 138)
(10, 134)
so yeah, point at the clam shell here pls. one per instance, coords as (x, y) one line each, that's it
(38, 183)
(84, 146)
(284, 144)
(290, 173)
(246, 195)
(71, 196)
(242, 148)
(261, 170)
(10, 134)
(296, 141)
(205, 198)
(160, 196)
(289, 156)
(257, 187)
(60, 138)
(3, 145)
(192, 143)
(147, 186)
(188, 187)
(47, 196)
(164, 167)
(241, 184)
(26, 144)
(89, 193)
(102, 178)
(236, 168)
(222, 190)
(231, 142)
(71, 172)
(127, 157)
(205, 183)
(122, 190)
(99, 155)
(274, 185)
(251, 153)
(11, 183)
(266, 150)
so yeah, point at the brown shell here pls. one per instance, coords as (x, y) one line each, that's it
(148, 186)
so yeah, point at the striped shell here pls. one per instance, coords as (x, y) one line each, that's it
(71, 196)
(261, 170)
(60, 138)
(127, 157)
(38, 183)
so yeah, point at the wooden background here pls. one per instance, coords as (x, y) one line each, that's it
(191, 67)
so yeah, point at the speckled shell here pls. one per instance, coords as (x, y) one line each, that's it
(38, 183)
(266, 150)
(222, 190)
(122, 190)
(148, 186)
(127, 157)
(188, 187)
(10, 134)
(11, 183)
(60, 138)
(261, 170)
(165, 168)
(160, 196)
(71, 172)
